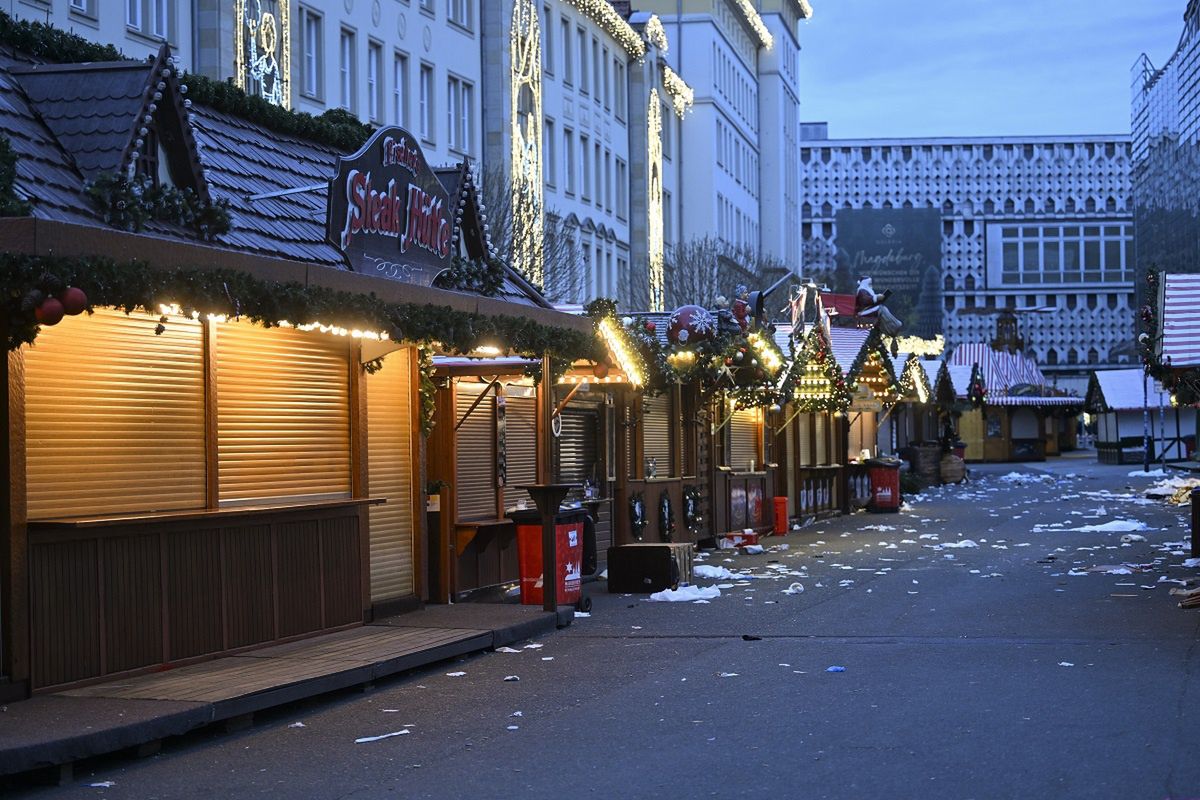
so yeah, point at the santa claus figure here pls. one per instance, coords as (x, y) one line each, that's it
(870, 305)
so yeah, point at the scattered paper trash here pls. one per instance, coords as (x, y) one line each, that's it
(512, 678)
(835, 669)
(512, 728)
(366, 739)
(686, 593)
(582, 615)
(795, 588)
(752, 549)
(1065, 664)
(296, 725)
(1133, 537)
(455, 674)
(727, 674)
(506, 650)
(103, 784)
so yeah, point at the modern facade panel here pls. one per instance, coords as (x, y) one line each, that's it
(1027, 222)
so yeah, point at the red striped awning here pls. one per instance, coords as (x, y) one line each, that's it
(1181, 320)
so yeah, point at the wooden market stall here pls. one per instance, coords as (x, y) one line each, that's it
(236, 460)
(1129, 407)
(914, 418)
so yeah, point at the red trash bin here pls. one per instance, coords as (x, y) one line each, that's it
(781, 516)
(569, 552)
(884, 475)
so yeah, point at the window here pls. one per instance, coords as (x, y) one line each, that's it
(149, 17)
(1053, 254)
(310, 56)
(619, 87)
(584, 163)
(569, 159)
(459, 12)
(581, 39)
(622, 189)
(607, 83)
(568, 66)
(460, 121)
(665, 115)
(374, 84)
(550, 157)
(425, 100)
(400, 89)
(346, 70)
(599, 175)
(597, 69)
(666, 212)
(427, 7)
(608, 181)
(547, 40)
(85, 7)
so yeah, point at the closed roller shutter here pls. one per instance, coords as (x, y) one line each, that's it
(790, 467)
(822, 437)
(804, 426)
(521, 445)
(578, 451)
(114, 416)
(391, 430)
(475, 454)
(283, 413)
(744, 435)
(657, 419)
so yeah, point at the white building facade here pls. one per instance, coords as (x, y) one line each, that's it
(413, 63)
(1027, 222)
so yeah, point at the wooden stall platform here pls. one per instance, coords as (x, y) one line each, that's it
(53, 730)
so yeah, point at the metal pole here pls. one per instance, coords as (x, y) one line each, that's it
(549, 562)
(1145, 427)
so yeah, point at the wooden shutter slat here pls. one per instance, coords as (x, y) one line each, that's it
(657, 418)
(390, 449)
(745, 433)
(115, 416)
(283, 413)
(475, 454)
(822, 437)
(521, 444)
(579, 449)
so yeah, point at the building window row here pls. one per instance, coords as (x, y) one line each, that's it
(732, 84)
(735, 226)
(583, 62)
(737, 158)
(1052, 254)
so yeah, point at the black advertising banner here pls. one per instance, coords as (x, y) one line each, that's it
(388, 212)
(899, 249)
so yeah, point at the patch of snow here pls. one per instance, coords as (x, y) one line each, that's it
(686, 593)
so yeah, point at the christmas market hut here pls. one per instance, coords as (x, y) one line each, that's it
(1169, 344)
(810, 440)
(959, 392)
(914, 417)
(1021, 416)
(226, 450)
(1129, 408)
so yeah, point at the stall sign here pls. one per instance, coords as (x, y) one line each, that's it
(388, 213)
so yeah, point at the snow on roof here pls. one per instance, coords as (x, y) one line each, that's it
(1123, 389)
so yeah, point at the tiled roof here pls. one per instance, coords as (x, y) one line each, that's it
(45, 175)
(91, 108)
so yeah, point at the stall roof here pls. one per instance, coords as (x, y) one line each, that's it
(960, 377)
(1002, 371)
(1124, 390)
(1180, 310)
(847, 344)
(1019, 400)
(71, 123)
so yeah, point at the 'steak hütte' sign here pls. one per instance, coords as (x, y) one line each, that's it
(388, 212)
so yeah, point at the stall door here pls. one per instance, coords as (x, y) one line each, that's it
(391, 429)
(520, 446)
(579, 448)
(475, 452)
(657, 422)
(745, 435)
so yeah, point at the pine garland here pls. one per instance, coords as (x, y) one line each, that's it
(47, 43)
(130, 286)
(838, 394)
(483, 277)
(129, 203)
(10, 204)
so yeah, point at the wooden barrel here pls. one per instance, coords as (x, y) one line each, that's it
(925, 462)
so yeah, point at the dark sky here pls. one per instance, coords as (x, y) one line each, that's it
(881, 68)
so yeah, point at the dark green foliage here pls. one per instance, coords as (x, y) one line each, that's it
(129, 204)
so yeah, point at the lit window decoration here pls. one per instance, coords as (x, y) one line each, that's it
(525, 89)
(756, 23)
(656, 34)
(681, 94)
(819, 384)
(654, 203)
(262, 50)
(914, 384)
(604, 15)
(767, 353)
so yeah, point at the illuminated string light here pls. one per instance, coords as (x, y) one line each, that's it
(921, 347)
(656, 34)
(654, 203)
(604, 15)
(525, 90)
(677, 89)
(756, 23)
(615, 342)
(262, 50)
(766, 352)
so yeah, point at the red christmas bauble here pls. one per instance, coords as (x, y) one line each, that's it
(73, 300)
(690, 324)
(600, 370)
(650, 326)
(50, 312)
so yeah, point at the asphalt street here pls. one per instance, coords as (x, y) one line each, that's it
(983, 656)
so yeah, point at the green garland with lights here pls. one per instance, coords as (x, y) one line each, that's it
(133, 286)
(909, 379)
(129, 203)
(976, 390)
(484, 276)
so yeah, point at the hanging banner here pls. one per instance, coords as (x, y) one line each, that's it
(388, 213)
(899, 249)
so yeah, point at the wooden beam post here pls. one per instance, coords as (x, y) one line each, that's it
(14, 546)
